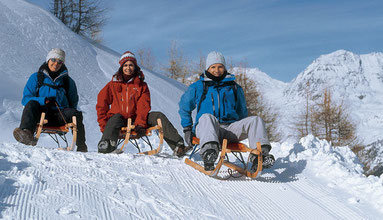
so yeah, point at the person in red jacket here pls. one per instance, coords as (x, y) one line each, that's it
(127, 96)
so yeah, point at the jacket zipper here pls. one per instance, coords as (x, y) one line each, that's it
(127, 100)
(122, 103)
(223, 105)
(219, 106)
(212, 100)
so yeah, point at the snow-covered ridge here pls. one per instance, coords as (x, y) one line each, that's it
(351, 75)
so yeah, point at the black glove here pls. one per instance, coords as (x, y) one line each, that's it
(188, 135)
(141, 131)
(50, 100)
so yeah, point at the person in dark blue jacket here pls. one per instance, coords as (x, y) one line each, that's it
(47, 90)
(221, 113)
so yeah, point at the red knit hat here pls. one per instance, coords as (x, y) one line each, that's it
(128, 56)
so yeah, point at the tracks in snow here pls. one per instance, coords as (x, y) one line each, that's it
(49, 184)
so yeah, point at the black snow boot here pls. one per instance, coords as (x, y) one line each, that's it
(82, 148)
(23, 136)
(209, 157)
(106, 146)
(181, 149)
(268, 159)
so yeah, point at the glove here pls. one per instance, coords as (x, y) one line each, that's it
(50, 100)
(141, 131)
(188, 135)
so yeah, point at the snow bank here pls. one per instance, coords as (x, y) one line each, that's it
(338, 166)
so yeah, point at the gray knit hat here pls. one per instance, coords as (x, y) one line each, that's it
(56, 53)
(213, 58)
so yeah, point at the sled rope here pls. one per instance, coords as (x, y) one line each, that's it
(61, 113)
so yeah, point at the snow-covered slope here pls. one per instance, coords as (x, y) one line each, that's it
(272, 88)
(27, 33)
(310, 179)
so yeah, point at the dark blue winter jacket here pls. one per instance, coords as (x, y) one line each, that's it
(31, 89)
(224, 99)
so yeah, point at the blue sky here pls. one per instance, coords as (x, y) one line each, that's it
(280, 37)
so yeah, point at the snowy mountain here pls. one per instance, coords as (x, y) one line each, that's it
(355, 79)
(310, 179)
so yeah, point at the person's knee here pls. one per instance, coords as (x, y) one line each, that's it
(32, 104)
(156, 115)
(116, 118)
(206, 116)
(256, 119)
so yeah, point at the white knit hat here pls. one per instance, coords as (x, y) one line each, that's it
(213, 58)
(56, 53)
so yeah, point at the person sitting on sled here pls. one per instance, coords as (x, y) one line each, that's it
(47, 90)
(221, 113)
(127, 96)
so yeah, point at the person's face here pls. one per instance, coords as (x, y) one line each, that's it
(54, 64)
(217, 69)
(128, 68)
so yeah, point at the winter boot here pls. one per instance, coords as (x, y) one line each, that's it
(209, 157)
(268, 159)
(82, 148)
(181, 149)
(106, 146)
(23, 136)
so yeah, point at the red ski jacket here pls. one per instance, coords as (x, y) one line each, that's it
(130, 99)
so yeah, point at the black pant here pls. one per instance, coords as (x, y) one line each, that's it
(32, 114)
(117, 121)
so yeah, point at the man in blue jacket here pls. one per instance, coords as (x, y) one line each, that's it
(221, 113)
(47, 90)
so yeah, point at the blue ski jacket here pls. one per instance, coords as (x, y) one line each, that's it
(32, 92)
(224, 99)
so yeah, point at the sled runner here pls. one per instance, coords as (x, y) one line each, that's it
(57, 131)
(236, 149)
(128, 134)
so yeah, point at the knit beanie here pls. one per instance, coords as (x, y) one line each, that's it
(213, 58)
(128, 56)
(56, 53)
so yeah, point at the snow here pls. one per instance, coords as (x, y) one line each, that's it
(310, 179)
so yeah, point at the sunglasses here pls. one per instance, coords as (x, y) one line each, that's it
(57, 60)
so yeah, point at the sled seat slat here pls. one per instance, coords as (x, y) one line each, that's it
(133, 134)
(53, 129)
(231, 147)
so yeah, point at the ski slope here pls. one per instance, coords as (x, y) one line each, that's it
(310, 179)
(43, 183)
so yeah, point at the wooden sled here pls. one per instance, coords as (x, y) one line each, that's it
(59, 130)
(235, 148)
(127, 134)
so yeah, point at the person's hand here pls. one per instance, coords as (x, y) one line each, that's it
(188, 135)
(141, 131)
(50, 100)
